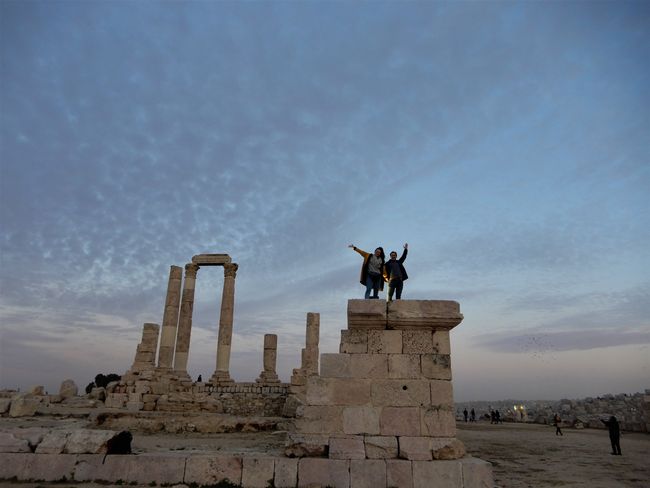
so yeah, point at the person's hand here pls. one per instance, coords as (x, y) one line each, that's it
(406, 245)
(351, 246)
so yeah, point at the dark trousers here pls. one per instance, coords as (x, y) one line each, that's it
(395, 286)
(616, 445)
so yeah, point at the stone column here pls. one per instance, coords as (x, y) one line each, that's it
(269, 375)
(185, 321)
(222, 373)
(170, 318)
(309, 357)
(145, 355)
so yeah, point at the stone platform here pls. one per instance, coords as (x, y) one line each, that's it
(248, 471)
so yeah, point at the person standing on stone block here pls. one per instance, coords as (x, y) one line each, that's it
(396, 274)
(614, 434)
(372, 271)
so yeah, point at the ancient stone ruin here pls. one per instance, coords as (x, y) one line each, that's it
(378, 413)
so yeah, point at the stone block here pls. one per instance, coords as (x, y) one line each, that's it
(361, 420)
(210, 470)
(10, 443)
(68, 389)
(347, 447)
(476, 473)
(354, 341)
(441, 342)
(4, 405)
(384, 342)
(400, 421)
(400, 393)
(335, 365)
(404, 366)
(436, 366)
(337, 391)
(367, 473)
(87, 441)
(438, 421)
(366, 314)
(399, 473)
(286, 473)
(47, 467)
(162, 469)
(211, 259)
(442, 393)
(306, 445)
(381, 447)
(257, 472)
(417, 342)
(23, 406)
(445, 473)
(53, 442)
(13, 464)
(319, 419)
(368, 365)
(419, 314)
(415, 448)
(323, 472)
(453, 449)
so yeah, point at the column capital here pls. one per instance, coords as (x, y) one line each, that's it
(191, 269)
(230, 270)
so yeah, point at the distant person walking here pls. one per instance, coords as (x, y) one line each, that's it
(465, 414)
(497, 417)
(372, 271)
(396, 274)
(557, 421)
(614, 434)
(472, 416)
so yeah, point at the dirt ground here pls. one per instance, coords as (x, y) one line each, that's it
(523, 455)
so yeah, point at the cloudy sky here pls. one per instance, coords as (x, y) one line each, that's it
(507, 143)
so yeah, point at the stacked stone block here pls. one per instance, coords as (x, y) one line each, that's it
(268, 376)
(309, 355)
(145, 356)
(388, 392)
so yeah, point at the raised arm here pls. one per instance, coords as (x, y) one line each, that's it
(406, 250)
(363, 253)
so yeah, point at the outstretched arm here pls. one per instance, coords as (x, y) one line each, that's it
(406, 250)
(363, 253)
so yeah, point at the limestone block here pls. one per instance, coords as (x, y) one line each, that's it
(476, 473)
(400, 393)
(47, 467)
(381, 447)
(33, 436)
(313, 330)
(418, 314)
(454, 449)
(4, 405)
(88, 441)
(319, 419)
(441, 342)
(154, 468)
(23, 405)
(436, 366)
(309, 357)
(400, 421)
(116, 400)
(323, 472)
(337, 391)
(361, 420)
(92, 467)
(53, 442)
(37, 390)
(366, 314)
(10, 443)
(446, 473)
(442, 393)
(404, 366)
(417, 342)
(68, 389)
(438, 422)
(306, 445)
(210, 470)
(257, 472)
(354, 341)
(335, 366)
(12, 464)
(286, 473)
(369, 365)
(347, 447)
(384, 341)
(399, 473)
(367, 473)
(211, 259)
(415, 448)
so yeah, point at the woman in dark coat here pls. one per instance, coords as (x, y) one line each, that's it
(372, 270)
(614, 434)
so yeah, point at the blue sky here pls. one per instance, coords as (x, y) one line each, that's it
(507, 143)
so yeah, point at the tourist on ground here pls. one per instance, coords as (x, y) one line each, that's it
(614, 434)
(472, 416)
(396, 274)
(497, 417)
(465, 414)
(372, 271)
(557, 421)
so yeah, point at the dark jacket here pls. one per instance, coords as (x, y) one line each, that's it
(612, 426)
(401, 267)
(364, 268)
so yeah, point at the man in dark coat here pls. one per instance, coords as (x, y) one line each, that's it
(396, 274)
(614, 434)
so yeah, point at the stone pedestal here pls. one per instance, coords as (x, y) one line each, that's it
(185, 321)
(170, 318)
(221, 375)
(269, 376)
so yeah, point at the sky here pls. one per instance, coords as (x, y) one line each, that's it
(507, 142)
